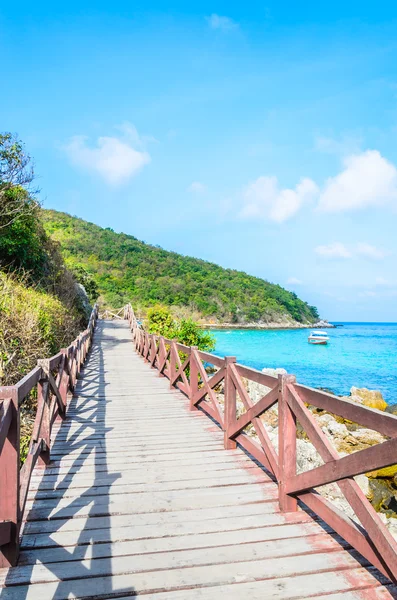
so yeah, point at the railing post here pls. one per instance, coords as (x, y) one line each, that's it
(9, 480)
(172, 362)
(193, 377)
(161, 355)
(43, 397)
(64, 381)
(286, 445)
(153, 351)
(229, 404)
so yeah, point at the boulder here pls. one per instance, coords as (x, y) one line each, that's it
(371, 398)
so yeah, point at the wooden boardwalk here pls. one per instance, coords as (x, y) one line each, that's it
(140, 497)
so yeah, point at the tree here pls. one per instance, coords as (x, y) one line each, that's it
(16, 175)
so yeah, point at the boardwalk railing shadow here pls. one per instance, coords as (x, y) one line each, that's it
(56, 502)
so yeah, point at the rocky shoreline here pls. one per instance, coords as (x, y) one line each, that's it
(272, 325)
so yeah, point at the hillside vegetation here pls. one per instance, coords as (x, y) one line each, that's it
(124, 269)
(41, 309)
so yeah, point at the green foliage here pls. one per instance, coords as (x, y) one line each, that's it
(15, 164)
(33, 324)
(190, 334)
(161, 321)
(186, 331)
(24, 448)
(23, 239)
(86, 279)
(128, 270)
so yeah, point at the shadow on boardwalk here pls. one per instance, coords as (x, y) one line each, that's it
(85, 445)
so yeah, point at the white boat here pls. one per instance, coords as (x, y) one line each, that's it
(318, 337)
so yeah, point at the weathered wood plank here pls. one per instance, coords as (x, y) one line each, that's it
(124, 561)
(84, 586)
(238, 517)
(112, 542)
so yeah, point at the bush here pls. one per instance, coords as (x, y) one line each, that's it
(33, 325)
(186, 331)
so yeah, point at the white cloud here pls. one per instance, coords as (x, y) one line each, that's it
(115, 160)
(197, 188)
(367, 180)
(294, 281)
(369, 251)
(264, 199)
(339, 250)
(335, 250)
(222, 23)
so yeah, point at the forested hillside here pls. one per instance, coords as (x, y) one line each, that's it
(124, 269)
(41, 306)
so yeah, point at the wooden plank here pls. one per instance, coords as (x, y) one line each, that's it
(120, 484)
(355, 584)
(84, 586)
(145, 503)
(165, 471)
(161, 524)
(114, 541)
(198, 459)
(125, 562)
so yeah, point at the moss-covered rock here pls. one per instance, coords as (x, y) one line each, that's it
(370, 398)
(385, 472)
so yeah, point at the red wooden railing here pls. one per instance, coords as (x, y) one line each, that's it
(54, 377)
(184, 367)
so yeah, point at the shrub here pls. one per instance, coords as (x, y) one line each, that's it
(33, 324)
(186, 331)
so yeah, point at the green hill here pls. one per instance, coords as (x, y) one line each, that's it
(125, 269)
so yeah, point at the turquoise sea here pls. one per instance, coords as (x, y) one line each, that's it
(359, 354)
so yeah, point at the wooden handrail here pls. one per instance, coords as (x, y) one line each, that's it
(54, 378)
(372, 539)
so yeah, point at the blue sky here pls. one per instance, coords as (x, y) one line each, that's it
(258, 136)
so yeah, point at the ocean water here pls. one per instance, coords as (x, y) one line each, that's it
(359, 354)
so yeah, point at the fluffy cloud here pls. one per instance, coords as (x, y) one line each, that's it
(339, 250)
(294, 281)
(113, 159)
(264, 199)
(197, 188)
(222, 23)
(367, 180)
(335, 250)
